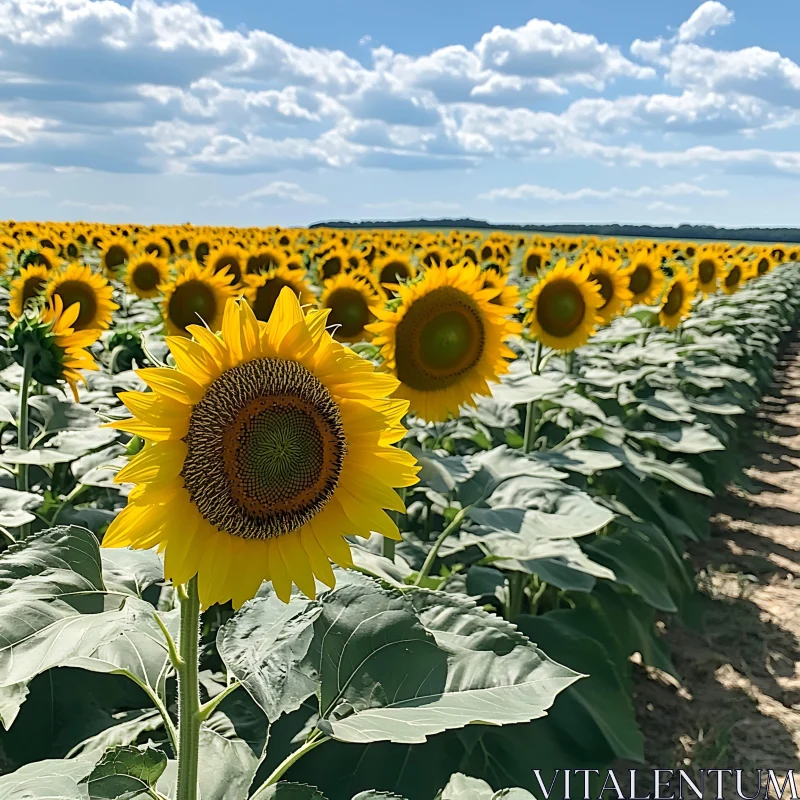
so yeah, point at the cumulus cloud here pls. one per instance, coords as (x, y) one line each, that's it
(528, 192)
(276, 191)
(705, 19)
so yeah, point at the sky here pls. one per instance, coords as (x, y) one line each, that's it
(251, 112)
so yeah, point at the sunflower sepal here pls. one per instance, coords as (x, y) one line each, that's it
(32, 334)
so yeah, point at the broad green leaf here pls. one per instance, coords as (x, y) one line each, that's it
(131, 571)
(464, 666)
(61, 415)
(43, 457)
(15, 507)
(264, 646)
(667, 406)
(542, 509)
(284, 790)
(520, 385)
(393, 572)
(54, 611)
(603, 694)
(373, 794)
(53, 779)
(126, 772)
(460, 786)
(687, 439)
(584, 462)
(440, 471)
(227, 766)
(134, 724)
(79, 443)
(637, 564)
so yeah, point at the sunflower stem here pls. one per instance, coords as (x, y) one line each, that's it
(188, 694)
(23, 441)
(431, 557)
(387, 548)
(530, 410)
(283, 767)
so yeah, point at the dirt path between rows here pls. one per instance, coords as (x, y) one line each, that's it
(738, 706)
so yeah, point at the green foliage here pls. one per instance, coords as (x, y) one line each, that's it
(454, 670)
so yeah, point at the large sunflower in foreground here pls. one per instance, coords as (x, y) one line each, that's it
(645, 278)
(28, 285)
(677, 299)
(563, 307)
(197, 295)
(91, 291)
(350, 296)
(444, 339)
(262, 291)
(145, 275)
(613, 285)
(270, 443)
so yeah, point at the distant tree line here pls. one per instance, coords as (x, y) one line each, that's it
(638, 231)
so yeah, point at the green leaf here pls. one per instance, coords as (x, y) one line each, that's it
(291, 791)
(125, 772)
(134, 724)
(686, 439)
(520, 385)
(264, 646)
(637, 564)
(131, 571)
(542, 508)
(43, 457)
(440, 471)
(227, 765)
(79, 443)
(52, 779)
(60, 415)
(461, 787)
(603, 694)
(53, 612)
(461, 666)
(15, 507)
(667, 406)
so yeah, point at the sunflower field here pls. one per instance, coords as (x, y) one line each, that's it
(323, 515)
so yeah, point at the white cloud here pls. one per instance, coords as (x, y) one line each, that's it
(94, 206)
(274, 191)
(667, 208)
(706, 18)
(528, 191)
(283, 190)
(17, 194)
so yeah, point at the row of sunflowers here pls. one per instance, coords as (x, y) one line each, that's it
(533, 427)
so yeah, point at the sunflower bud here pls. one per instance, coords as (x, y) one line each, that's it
(32, 333)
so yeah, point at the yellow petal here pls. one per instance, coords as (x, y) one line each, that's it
(161, 462)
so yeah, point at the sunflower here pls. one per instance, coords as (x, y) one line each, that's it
(350, 296)
(78, 284)
(563, 307)
(153, 246)
(58, 348)
(393, 268)
(445, 339)
(28, 285)
(736, 275)
(270, 444)
(262, 291)
(613, 285)
(230, 258)
(506, 293)
(114, 253)
(145, 275)
(677, 299)
(197, 294)
(707, 270)
(645, 278)
(331, 263)
(763, 263)
(264, 259)
(535, 260)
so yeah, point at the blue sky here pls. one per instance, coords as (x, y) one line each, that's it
(227, 112)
